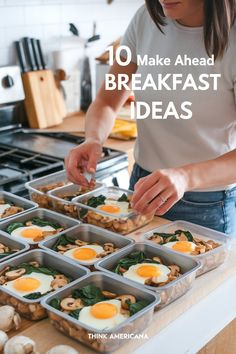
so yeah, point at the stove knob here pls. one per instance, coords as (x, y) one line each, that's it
(7, 81)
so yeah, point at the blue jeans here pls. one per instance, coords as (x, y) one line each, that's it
(216, 210)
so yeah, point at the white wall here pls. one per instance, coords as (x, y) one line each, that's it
(48, 20)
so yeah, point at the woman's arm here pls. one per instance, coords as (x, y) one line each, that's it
(159, 191)
(98, 124)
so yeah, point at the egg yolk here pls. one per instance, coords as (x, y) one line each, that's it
(148, 271)
(182, 246)
(103, 310)
(84, 254)
(32, 233)
(113, 209)
(26, 284)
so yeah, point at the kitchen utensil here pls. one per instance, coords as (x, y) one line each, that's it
(29, 53)
(42, 60)
(21, 56)
(37, 57)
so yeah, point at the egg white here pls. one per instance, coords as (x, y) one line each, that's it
(44, 279)
(18, 232)
(86, 317)
(96, 248)
(4, 207)
(133, 275)
(171, 244)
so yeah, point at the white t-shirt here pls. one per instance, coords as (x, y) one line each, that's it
(211, 131)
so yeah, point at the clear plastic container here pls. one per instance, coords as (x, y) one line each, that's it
(122, 223)
(168, 292)
(20, 246)
(39, 187)
(17, 201)
(210, 259)
(103, 341)
(64, 221)
(60, 196)
(91, 234)
(32, 309)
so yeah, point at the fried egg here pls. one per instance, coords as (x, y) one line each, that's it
(4, 207)
(30, 283)
(114, 207)
(143, 271)
(181, 246)
(84, 254)
(29, 233)
(102, 315)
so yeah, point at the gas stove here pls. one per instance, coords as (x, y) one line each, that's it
(26, 154)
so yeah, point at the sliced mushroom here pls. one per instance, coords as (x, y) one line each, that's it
(11, 211)
(29, 223)
(108, 247)
(124, 298)
(80, 243)
(4, 270)
(70, 304)
(122, 270)
(174, 269)
(34, 264)
(125, 312)
(2, 280)
(14, 274)
(103, 254)
(157, 239)
(59, 281)
(108, 294)
(157, 259)
(182, 237)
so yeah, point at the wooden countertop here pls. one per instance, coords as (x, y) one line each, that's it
(75, 124)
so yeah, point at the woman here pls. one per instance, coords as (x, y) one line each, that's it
(185, 169)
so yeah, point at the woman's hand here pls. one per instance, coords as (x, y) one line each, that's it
(83, 158)
(159, 191)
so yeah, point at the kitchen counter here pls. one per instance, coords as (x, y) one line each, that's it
(184, 326)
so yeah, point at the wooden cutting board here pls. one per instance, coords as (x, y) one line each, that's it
(44, 104)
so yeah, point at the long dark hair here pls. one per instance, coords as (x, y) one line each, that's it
(219, 17)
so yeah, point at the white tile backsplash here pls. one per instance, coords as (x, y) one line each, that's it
(49, 21)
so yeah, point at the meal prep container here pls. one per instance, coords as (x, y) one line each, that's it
(120, 223)
(32, 309)
(168, 292)
(63, 206)
(63, 221)
(13, 244)
(103, 341)
(88, 233)
(43, 199)
(17, 201)
(209, 260)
